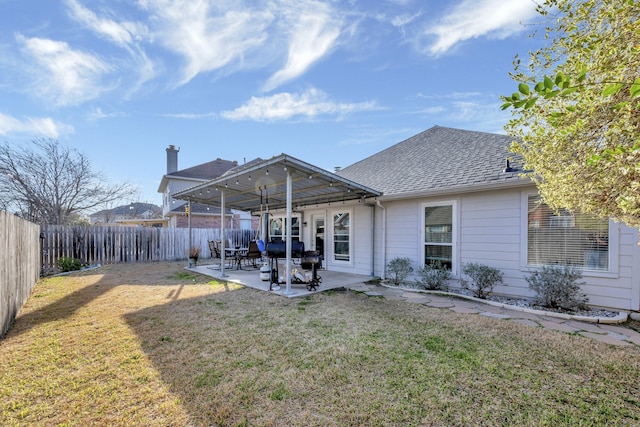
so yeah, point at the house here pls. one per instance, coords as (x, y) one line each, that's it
(202, 216)
(136, 213)
(447, 195)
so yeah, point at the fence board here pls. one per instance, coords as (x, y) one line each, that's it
(19, 265)
(115, 244)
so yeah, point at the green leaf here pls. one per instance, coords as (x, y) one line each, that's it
(539, 87)
(523, 88)
(612, 89)
(635, 88)
(582, 75)
(569, 91)
(559, 79)
(548, 83)
(620, 105)
(505, 105)
(530, 103)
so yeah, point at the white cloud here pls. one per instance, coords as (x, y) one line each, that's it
(36, 126)
(97, 114)
(64, 75)
(286, 105)
(314, 32)
(207, 39)
(191, 116)
(479, 18)
(122, 34)
(125, 34)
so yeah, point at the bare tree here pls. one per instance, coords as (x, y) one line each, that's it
(49, 183)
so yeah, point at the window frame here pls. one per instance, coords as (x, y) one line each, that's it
(613, 269)
(330, 249)
(283, 218)
(455, 230)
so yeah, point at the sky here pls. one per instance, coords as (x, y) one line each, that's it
(327, 82)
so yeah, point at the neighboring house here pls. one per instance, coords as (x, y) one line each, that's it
(455, 196)
(132, 214)
(201, 216)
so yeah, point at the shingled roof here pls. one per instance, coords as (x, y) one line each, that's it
(207, 170)
(436, 160)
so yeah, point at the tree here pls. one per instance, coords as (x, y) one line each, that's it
(51, 184)
(576, 111)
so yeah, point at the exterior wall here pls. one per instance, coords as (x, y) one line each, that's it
(361, 241)
(492, 230)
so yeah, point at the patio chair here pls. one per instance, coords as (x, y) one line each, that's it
(214, 246)
(253, 254)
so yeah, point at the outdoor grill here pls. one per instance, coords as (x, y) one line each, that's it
(309, 260)
(278, 249)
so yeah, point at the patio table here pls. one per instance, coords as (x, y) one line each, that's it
(236, 254)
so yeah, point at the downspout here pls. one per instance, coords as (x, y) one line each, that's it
(384, 239)
(373, 240)
(189, 213)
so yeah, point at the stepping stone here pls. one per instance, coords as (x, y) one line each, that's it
(360, 288)
(557, 326)
(495, 315)
(374, 294)
(607, 339)
(412, 295)
(439, 304)
(585, 326)
(464, 310)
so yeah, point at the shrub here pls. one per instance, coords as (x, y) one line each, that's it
(483, 279)
(434, 276)
(398, 269)
(194, 252)
(69, 264)
(558, 287)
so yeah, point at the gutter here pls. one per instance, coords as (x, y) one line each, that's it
(459, 190)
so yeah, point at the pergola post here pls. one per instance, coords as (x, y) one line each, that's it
(288, 231)
(222, 236)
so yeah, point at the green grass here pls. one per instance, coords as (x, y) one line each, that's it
(107, 348)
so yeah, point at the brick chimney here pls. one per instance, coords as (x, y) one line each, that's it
(172, 158)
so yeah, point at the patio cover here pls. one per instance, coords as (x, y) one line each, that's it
(280, 182)
(251, 186)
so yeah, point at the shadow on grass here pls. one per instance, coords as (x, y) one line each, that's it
(91, 285)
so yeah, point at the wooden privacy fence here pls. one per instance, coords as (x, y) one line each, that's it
(118, 244)
(19, 265)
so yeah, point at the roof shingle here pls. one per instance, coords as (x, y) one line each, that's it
(437, 159)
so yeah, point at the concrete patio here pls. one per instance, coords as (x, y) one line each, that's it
(250, 277)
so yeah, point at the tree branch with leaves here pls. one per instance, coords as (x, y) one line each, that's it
(576, 111)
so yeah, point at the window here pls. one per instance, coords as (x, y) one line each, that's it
(278, 228)
(341, 236)
(565, 238)
(438, 235)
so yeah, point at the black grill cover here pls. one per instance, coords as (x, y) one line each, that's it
(278, 249)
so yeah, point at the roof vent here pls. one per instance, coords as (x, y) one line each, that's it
(507, 166)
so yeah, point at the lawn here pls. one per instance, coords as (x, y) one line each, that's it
(154, 345)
